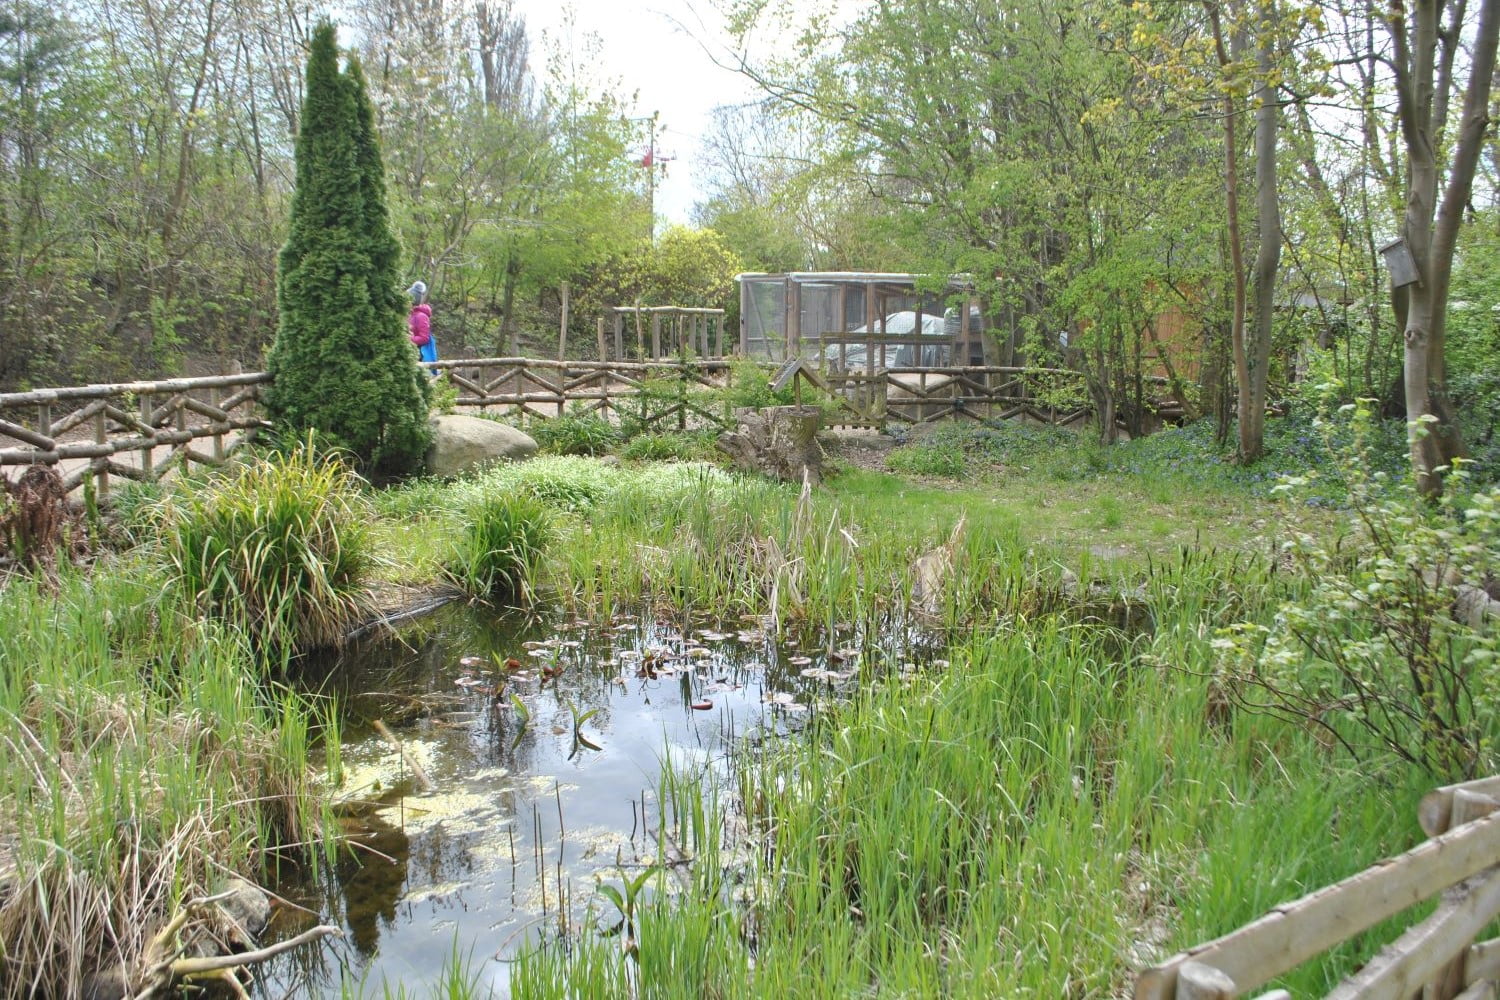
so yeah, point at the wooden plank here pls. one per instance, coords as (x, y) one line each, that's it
(1292, 933)
(1196, 981)
(1482, 990)
(74, 419)
(1483, 961)
(114, 389)
(204, 409)
(1434, 811)
(1413, 959)
(27, 435)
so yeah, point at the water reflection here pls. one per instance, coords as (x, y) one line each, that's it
(502, 716)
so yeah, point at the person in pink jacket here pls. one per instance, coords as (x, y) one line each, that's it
(419, 320)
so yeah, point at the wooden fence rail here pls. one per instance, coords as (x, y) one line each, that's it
(546, 388)
(138, 430)
(141, 430)
(919, 395)
(1436, 959)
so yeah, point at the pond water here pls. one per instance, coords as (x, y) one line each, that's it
(540, 747)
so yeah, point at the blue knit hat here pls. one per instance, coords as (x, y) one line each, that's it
(417, 291)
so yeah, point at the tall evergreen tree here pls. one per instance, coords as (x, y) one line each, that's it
(341, 363)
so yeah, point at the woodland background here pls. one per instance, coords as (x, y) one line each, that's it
(1070, 154)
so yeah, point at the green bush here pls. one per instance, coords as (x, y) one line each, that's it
(497, 553)
(575, 434)
(278, 548)
(1387, 650)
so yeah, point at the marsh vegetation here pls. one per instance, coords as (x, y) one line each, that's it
(1006, 740)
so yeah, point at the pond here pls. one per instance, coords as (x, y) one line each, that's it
(520, 763)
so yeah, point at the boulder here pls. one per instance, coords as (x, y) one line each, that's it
(462, 442)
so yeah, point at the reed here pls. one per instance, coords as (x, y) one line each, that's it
(498, 548)
(279, 548)
(1059, 804)
(144, 765)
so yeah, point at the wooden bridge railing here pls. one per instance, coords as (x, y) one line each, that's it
(139, 430)
(1436, 959)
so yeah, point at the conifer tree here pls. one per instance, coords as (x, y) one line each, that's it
(341, 362)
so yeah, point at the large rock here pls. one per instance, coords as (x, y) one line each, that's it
(462, 442)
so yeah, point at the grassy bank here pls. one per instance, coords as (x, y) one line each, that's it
(146, 762)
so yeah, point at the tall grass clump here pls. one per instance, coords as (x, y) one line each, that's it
(498, 548)
(144, 765)
(575, 434)
(279, 548)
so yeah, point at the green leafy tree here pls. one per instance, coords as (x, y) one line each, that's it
(340, 362)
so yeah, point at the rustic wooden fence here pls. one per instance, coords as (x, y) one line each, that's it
(1437, 959)
(653, 393)
(918, 395)
(137, 430)
(142, 430)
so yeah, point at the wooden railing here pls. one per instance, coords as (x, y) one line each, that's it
(1436, 959)
(986, 392)
(138, 430)
(141, 430)
(655, 392)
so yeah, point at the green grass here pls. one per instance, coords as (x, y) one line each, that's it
(144, 764)
(496, 553)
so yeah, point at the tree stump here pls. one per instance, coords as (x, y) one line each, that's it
(33, 512)
(778, 441)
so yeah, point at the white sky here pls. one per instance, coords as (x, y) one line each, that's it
(649, 47)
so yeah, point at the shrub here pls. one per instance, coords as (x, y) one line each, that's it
(498, 550)
(1389, 639)
(568, 482)
(943, 458)
(575, 434)
(279, 548)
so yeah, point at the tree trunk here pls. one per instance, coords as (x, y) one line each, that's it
(1257, 351)
(1236, 247)
(1433, 439)
(510, 334)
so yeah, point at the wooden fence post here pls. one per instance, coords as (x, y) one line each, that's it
(1196, 981)
(101, 437)
(148, 459)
